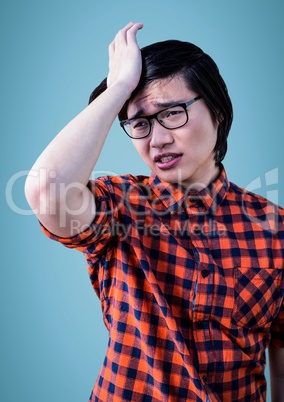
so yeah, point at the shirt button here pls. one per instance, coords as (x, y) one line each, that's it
(197, 231)
(199, 325)
(205, 273)
(193, 198)
(205, 379)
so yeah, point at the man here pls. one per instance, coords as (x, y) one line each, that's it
(188, 266)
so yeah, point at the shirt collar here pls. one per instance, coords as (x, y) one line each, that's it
(174, 196)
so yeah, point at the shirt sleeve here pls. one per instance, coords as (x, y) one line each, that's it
(95, 239)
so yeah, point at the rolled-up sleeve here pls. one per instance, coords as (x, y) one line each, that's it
(95, 239)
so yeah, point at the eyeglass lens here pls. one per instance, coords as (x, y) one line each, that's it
(173, 117)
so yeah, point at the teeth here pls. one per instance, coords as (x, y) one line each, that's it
(166, 159)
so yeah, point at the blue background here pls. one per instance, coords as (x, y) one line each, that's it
(52, 56)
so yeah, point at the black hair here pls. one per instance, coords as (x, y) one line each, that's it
(170, 58)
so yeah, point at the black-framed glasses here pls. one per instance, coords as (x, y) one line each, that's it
(172, 117)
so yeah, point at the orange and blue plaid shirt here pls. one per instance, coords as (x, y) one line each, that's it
(191, 287)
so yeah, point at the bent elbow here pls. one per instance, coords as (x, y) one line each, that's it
(35, 193)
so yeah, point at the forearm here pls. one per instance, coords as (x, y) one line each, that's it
(56, 185)
(73, 153)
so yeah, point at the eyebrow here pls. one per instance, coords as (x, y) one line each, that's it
(141, 112)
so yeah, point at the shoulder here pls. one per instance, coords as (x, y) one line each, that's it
(239, 193)
(255, 206)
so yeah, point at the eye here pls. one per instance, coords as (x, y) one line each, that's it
(139, 124)
(172, 113)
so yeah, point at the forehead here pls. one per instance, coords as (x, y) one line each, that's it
(158, 94)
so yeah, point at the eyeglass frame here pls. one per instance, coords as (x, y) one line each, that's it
(150, 117)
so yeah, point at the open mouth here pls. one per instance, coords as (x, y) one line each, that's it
(166, 161)
(166, 158)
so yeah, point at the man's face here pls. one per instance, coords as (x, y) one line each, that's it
(183, 155)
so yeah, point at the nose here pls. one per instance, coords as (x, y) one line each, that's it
(160, 136)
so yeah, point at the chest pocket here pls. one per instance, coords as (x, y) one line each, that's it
(258, 296)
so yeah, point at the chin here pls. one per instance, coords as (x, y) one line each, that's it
(172, 179)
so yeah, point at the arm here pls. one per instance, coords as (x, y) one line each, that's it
(276, 364)
(56, 185)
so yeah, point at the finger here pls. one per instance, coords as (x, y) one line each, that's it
(132, 32)
(131, 28)
(125, 35)
(128, 26)
(136, 26)
(121, 34)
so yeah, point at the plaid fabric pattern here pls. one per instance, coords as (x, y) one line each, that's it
(191, 287)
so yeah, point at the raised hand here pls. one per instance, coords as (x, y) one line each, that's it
(125, 62)
(73, 153)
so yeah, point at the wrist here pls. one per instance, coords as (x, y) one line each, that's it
(124, 88)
